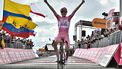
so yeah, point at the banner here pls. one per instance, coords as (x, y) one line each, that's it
(100, 23)
(118, 55)
(107, 54)
(1, 9)
(10, 55)
(101, 56)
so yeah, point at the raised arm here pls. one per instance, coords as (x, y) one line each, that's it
(52, 9)
(72, 14)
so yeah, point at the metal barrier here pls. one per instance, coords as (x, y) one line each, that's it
(114, 38)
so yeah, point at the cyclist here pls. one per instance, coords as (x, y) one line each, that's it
(63, 26)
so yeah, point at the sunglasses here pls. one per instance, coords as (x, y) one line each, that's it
(63, 11)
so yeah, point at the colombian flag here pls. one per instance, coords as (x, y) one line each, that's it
(30, 25)
(21, 32)
(17, 8)
(17, 19)
(18, 15)
(19, 22)
(7, 13)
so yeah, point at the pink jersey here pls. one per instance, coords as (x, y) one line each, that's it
(63, 26)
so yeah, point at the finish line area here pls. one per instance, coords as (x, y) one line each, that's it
(94, 44)
(50, 63)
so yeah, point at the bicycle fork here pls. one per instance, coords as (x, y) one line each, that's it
(62, 55)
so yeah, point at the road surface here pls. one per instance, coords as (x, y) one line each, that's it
(49, 63)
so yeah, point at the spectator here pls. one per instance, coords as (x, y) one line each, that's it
(2, 36)
(31, 44)
(79, 44)
(88, 42)
(0, 39)
(46, 49)
(27, 44)
(7, 41)
(106, 33)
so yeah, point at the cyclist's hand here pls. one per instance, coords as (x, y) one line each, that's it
(83, 1)
(45, 1)
(46, 16)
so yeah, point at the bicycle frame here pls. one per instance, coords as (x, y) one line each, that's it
(62, 53)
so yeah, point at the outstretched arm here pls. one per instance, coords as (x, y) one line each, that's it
(72, 14)
(52, 9)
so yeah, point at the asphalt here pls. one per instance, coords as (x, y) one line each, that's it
(50, 63)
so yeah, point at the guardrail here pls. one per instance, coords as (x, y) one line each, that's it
(102, 56)
(114, 38)
(10, 55)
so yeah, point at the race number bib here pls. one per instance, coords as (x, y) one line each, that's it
(63, 23)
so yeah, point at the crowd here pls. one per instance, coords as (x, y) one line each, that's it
(100, 34)
(96, 35)
(14, 42)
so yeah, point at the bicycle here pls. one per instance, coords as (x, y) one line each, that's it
(63, 53)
